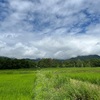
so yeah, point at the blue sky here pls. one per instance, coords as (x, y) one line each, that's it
(49, 28)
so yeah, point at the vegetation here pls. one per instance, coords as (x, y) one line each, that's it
(50, 84)
(50, 79)
(16, 86)
(81, 61)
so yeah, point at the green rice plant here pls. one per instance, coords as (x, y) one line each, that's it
(16, 86)
(50, 84)
(90, 77)
(79, 90)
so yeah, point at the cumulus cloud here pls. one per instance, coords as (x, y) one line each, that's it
(49, 29)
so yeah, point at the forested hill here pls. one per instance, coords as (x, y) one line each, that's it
(80, 61)
(86, 57)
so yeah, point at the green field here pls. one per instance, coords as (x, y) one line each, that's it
(50, 84)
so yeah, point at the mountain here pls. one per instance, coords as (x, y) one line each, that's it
(86, 57)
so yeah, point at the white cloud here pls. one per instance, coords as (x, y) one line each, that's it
(50, 28)
(20, 5)
(54, 47)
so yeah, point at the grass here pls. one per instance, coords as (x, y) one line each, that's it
(50, 84)
(16, 86)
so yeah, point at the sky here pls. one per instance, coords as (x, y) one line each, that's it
(58, 29)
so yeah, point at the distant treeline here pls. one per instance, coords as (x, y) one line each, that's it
(12, 63)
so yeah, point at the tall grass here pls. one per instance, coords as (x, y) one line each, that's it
(50, 84)
(16, 86)
(87, 77)
(91, 75)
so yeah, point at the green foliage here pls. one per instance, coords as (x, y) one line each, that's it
(50, 84)
(57, 85)
(16, 86)
(10, 63)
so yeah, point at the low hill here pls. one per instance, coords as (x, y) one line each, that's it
(86, 57)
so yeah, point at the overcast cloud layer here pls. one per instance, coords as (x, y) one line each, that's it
(49, 28)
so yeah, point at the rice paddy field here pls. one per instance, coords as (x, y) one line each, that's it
(50, 84)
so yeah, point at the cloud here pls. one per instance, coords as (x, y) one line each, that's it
(53, 28)
(53, 47)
